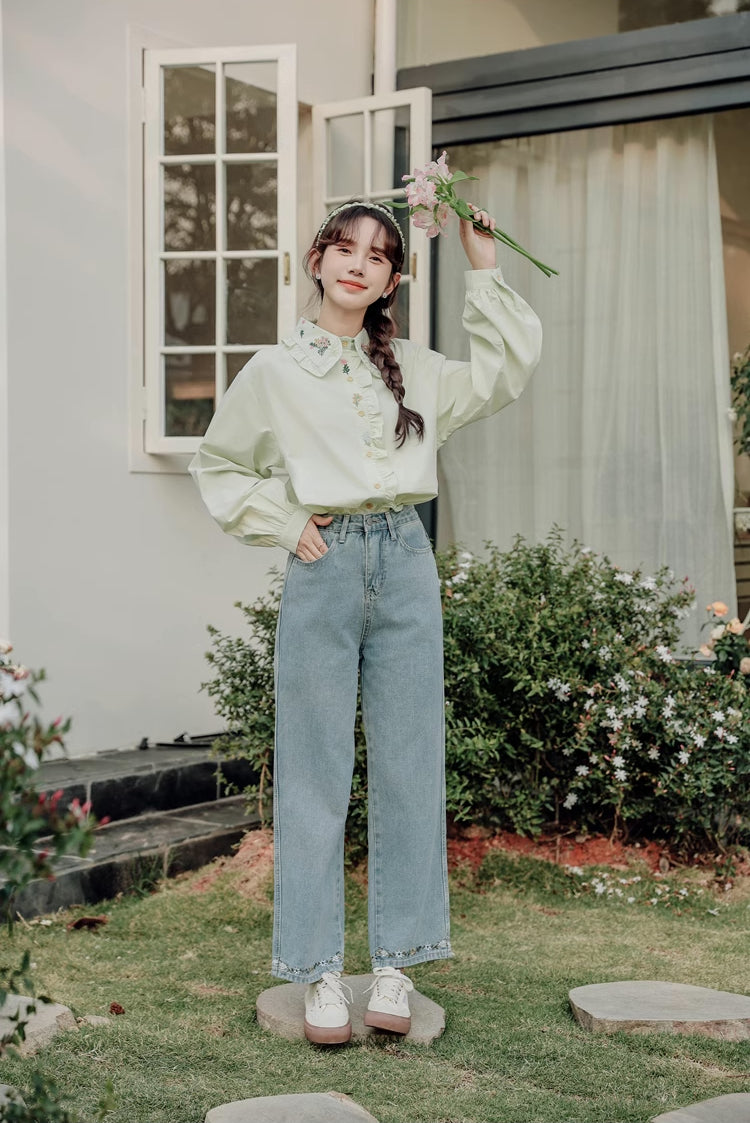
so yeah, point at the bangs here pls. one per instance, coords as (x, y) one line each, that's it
(343, 227)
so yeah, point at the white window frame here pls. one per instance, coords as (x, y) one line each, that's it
(417, 271)
(151, 449)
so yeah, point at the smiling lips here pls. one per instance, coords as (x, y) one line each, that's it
(353, 284)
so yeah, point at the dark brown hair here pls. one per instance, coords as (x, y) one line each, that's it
(378, 321)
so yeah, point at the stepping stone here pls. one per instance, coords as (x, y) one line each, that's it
(318, 1107)
(646, 1007)
(734, 1108)
(281, 1010)
(41, 1027)
(9, 1095)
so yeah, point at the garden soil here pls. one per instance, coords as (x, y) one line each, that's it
(251, 865)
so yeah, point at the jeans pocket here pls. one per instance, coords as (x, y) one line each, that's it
(330, 540)
(413, 537)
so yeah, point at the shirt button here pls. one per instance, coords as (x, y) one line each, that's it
(361, 412)
(369, 455)
(377, 487)
(369, 506)
(349, 378)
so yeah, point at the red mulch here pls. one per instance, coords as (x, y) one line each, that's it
(471, 845)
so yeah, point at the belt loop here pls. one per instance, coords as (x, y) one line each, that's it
(391, 527)
(344, 525)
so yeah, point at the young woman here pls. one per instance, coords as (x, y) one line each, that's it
(322, 445)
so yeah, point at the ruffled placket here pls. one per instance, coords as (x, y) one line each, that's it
(359, 372)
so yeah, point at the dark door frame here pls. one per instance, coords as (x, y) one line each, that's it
(696, 67)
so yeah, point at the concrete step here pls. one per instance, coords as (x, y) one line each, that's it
(136, 853)
(122, 784)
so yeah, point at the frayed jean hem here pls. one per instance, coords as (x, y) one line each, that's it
(281, 970)
(410, 958)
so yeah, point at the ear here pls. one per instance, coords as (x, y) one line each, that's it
(392, 284)
(314, 265)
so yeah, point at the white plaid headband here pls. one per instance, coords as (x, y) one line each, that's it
(370, 206)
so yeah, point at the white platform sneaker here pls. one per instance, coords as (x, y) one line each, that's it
(327, 1019)
(388, 1007)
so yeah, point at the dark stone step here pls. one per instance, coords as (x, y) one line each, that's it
(132, 853)
(121, 785)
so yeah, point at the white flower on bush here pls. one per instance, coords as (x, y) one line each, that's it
(624, 578)
(561, 689)
(664, 653)
(718, 716)
(731, 739)
(621, 684)
(605, 653)
(648, 584)
(621, 775)
(617, 761)
(718, 631)
(641, 706)
(720, 732)
(583, 770)
(585, 644)
(13, 683)
(653, 753)
(570, 800)
(26, 754)
(9, 712)
(683, 756)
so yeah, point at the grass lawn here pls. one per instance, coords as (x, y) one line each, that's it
(187, 966)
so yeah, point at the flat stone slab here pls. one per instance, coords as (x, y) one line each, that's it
(281, 1010)
(646, 1006)
(734, 1108)
(50, 1018)
(317, 1107)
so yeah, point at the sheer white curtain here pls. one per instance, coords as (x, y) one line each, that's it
(623, 437)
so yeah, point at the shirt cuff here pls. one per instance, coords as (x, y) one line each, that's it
(483, 278)
(289, 536)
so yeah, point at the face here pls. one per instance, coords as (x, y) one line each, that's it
(356, 273)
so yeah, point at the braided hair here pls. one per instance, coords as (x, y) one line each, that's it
(378, 320)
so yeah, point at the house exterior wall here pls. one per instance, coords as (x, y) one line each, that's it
(431, 31)
(113, 575)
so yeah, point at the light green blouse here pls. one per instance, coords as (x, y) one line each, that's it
(308, 426)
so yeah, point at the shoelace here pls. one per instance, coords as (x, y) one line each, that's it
(389, 983)
(330, 990)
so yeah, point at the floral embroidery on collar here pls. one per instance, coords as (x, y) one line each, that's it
(321, 344)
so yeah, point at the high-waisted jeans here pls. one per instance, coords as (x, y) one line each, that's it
(368, 610)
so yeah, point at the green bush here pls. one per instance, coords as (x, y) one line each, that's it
(34, 830)
(566, 704)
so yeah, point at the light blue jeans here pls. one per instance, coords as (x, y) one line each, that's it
(369, 610)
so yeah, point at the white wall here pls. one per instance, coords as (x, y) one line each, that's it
(4, 475)
(113, 575)
(433, 31)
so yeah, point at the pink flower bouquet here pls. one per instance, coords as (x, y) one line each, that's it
(431, 197)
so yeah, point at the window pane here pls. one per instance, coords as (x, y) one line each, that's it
(390, 148)
(189, 303)
(189, 382)
(400, 310)
(234, 364)
(189, 110)
(251, 206)
(251, 106)
(252, 301)
(346, 155)
(189, 207)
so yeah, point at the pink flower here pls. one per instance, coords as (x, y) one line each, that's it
(745, 665)
(735, 626)
(718, 608)
(421, 193)
(432, 222)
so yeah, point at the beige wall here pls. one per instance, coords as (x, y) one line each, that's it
(112, 575)
(438, 30)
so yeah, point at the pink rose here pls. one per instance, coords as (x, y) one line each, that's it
(735, 626)
(745, 665)
(718, 608)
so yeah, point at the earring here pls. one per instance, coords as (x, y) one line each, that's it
(317, 276)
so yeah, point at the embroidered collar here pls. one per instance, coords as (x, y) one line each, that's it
(318, 350)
